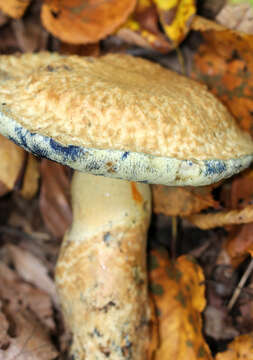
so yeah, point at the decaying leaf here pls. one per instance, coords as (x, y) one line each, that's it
(182, 201)
(240, 348)
(222, 218)
(241, 193)
(178, 291)
(84, 21)
(237, 15)
(30, 183)
(14, 8)
(143, 27)
(12, 159)
(237, 246)
(32, 270)
(224, 61)
(176, 17)
(55, 197)
(26, 319)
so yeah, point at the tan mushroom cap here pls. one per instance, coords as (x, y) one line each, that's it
(118, 102)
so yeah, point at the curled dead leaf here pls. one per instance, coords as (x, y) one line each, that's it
(82, 22)
(31, 178)
(14, 8)
(222, 218)
(55, 197)
(182, 201)
(240, 348)
(11, 164)
(224, 62)
(176, 17)
(178, 292)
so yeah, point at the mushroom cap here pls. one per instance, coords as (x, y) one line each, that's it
(119, 116)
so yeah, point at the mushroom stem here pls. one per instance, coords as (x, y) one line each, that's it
(101, 271)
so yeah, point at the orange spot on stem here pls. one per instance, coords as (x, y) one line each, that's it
(136, 194)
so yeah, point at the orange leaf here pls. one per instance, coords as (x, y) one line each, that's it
(84, 21)
(178, 291)
(12, 161)
(14, 8)
(240, 348)
(172, 201)
(224, 61)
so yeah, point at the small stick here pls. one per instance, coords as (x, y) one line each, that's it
(240, 285)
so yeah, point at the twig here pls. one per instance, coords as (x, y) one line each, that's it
(240, 285)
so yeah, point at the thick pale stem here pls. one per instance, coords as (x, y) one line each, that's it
(101, 272)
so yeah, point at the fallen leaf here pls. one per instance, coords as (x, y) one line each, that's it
(237, 16)
(12, 161)
(14, 8)
(30, 183)
(142, 28)
(55, 197)
(240, 348)
(242, 190)
(176, 17)
(224, 62)
(222, 218)
(22, 295)
(182, 201)
(30, 341)
(237, 245)
(82, 22)
(33, 271)
(217, 324)
(178, 292)
(30, 34)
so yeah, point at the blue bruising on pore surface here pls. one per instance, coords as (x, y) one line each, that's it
(213, 167)
(125, 155)
(71, 152)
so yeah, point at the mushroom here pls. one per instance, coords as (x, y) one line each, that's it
(135, 123)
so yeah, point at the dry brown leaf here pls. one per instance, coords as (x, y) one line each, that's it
(14, 8)
(12, 161)
(237, 17)
(31, 178)
(242, 190)
(240, 348)
(237, 246)
(30, 34)
(142, 28)
(33, 271)
(224, 62)
(29, 339)
(21, 295)
(222, 218)
(178, 292)
(182, 201)
(55, 197)
(82, 22)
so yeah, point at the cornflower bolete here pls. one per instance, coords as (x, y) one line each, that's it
(135, 123)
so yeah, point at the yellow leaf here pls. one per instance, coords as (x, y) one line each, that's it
(178, 292)
(240, 348)
(14, 8)
(175, 17)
